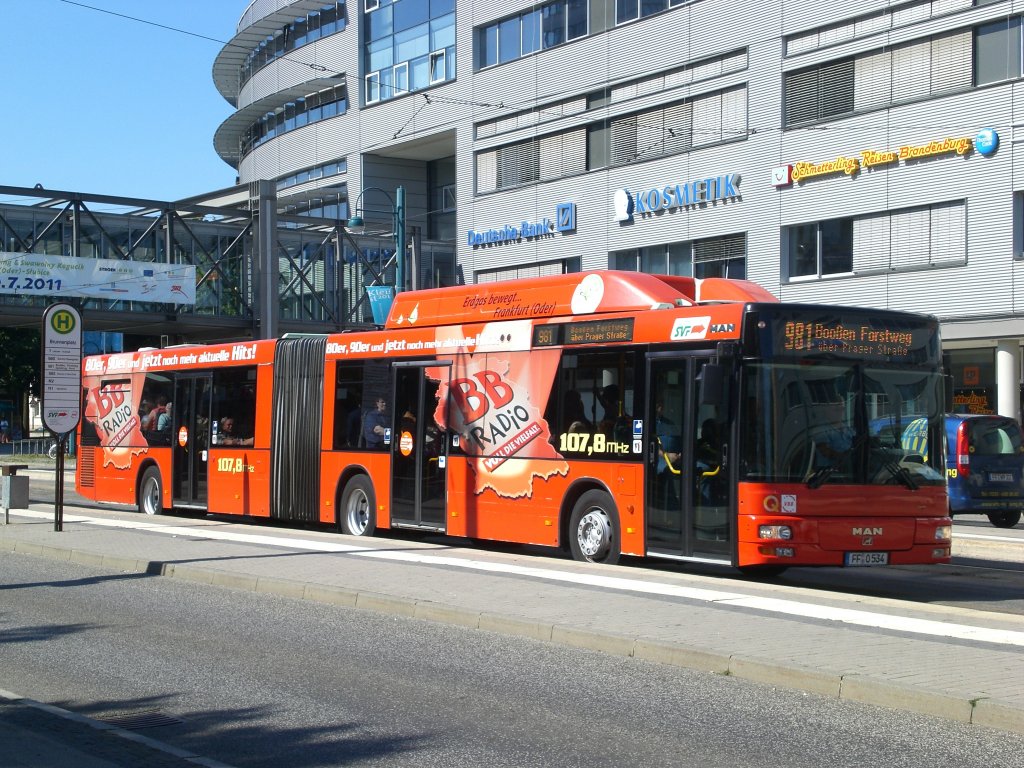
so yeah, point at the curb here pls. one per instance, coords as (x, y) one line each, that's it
(976, 709)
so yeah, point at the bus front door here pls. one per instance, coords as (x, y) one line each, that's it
(688, 497)
(190, 439)
(419, 451)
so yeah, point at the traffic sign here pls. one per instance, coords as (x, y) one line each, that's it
(62, 368)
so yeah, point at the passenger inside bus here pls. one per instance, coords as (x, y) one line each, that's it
(574, 415)
(375, 424)
(615, 422)
(229, 435)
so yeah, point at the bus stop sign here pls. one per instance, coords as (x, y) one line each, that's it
(62, 368)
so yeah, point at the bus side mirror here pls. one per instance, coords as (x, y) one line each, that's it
(712, 384)
(947, 393)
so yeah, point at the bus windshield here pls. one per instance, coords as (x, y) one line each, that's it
(834, 422)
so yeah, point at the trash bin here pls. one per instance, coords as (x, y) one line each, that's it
(13, 489)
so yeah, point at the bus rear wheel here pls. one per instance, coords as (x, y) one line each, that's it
(358, 507)
(594, 529)
(1004, 519)
(151, 492)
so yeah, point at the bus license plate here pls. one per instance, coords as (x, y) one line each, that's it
(867, 558)
(1000, 477)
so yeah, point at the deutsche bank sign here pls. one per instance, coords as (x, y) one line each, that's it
(565, 222)
(669, 197)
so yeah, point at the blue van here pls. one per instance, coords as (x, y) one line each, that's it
(984, 467)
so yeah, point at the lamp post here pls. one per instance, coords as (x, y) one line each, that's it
(398, 220)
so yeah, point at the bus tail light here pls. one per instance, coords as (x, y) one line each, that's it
(774, 532)
(963, 450)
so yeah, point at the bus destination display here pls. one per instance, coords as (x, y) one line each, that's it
(589, 332)
(870, 337)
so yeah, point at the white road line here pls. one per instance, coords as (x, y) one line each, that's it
(858, 618)
(988, 537)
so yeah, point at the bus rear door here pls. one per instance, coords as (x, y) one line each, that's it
(419, 451)
(688, 492)
(190, 439)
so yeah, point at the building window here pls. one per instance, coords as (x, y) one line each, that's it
(819, 92)
(724, 256)
(410, 45)
(317, 24)
(528, 32)
(934, 65)
(821, 248)
(564, 267)
(706, 119)
(437, 72)
(322, 105)
(630, 10)
(903, 240)
(997, 51)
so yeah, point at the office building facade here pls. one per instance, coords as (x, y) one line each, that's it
(850, 151)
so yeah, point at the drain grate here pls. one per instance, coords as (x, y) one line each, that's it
(133, 721)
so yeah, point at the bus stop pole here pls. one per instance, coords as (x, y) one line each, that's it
(58, 489)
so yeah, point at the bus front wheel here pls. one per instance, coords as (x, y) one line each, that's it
(358, 508)
(151, 492)
(594, 529)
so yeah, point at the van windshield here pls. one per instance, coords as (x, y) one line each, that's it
(835, 422)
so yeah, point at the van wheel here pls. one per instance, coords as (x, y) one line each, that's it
(594, 529)
(1004, 519)
(358, 513)
(151, 492)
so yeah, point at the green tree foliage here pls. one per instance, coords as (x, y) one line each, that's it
(19, 360)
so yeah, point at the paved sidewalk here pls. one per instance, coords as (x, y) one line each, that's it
(947, 662)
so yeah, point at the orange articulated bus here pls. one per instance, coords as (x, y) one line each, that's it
(607, 413)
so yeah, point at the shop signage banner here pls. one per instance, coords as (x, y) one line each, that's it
(36, 274)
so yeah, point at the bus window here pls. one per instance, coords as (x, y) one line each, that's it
(593, 395)
(359, 389)
(234, 406)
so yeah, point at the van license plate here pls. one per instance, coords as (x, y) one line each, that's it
(1000, 477)
(867, 558)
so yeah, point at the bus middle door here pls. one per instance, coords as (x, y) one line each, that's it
(419, 450)
(688, 498)
(190, 440)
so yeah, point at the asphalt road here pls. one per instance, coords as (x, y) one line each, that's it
(253, 680)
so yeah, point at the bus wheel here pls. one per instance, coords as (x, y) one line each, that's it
(1004, 519)
(151, 493)
(358, 507)
(594, 529)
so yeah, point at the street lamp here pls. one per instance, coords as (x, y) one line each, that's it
(398, 219)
